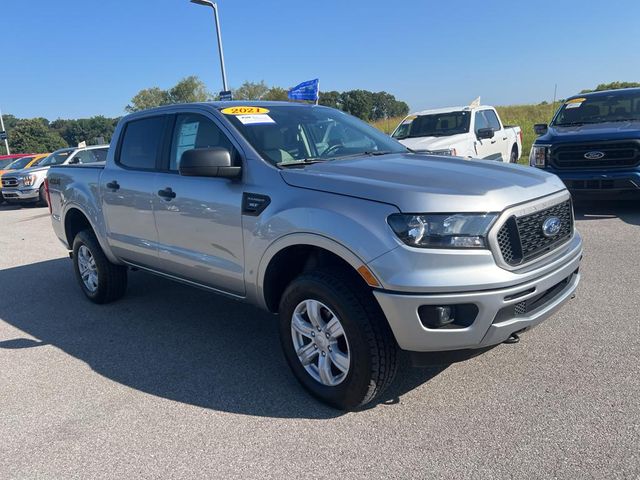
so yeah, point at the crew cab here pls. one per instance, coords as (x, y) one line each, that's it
(593, 143)
(474, 131)
(361, 246)
(27, 186)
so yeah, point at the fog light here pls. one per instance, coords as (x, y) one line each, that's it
(460, 315)
(436, 316)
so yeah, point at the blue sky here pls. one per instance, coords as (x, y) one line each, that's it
(73, 58)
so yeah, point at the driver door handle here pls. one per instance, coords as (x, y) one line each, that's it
(113, 185)
(167, 194)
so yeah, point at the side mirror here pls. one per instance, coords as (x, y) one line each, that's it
(208, 162)
(540, 128)
(74, 161)
(484, 133)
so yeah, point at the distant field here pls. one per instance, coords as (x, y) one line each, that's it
(525, 116)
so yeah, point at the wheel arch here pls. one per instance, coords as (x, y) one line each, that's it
(294, 254)
(75, 220)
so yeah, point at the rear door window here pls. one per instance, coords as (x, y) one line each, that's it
(141, 143)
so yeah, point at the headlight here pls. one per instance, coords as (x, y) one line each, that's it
(539, 155)
(28, 180)
(450, 152)
(460, 230)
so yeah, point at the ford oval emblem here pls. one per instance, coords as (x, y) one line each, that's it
(551, 227)
(595, 155)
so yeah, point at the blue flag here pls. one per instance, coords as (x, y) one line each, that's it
(306, 91)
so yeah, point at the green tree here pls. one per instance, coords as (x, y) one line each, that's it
(251, 91)
(276, 94)
(148, 98)
(89, 130)
(613, 86)
(34, 136)
(358, 103)
(330, 99)
(189, 89)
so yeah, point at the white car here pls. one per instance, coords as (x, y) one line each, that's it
(27, 186)
(474, 131)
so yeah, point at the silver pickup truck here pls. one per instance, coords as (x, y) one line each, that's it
(362, 247)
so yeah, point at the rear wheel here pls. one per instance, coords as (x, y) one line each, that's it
(100, 280)
(336, 340)
(514, 155)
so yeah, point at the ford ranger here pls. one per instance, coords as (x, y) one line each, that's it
(475, 131)
(362, 247)
(593, 143)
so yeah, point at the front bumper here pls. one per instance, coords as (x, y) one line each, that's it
(21, 194)
(612, 180)
(501, 311)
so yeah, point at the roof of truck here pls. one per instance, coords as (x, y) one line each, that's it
(433, 111)
(605, 93)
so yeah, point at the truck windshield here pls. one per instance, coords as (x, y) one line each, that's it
(56, 158)
(19, 163)
(433, 125)
(616, 106)
(5, 162)
(290, 134)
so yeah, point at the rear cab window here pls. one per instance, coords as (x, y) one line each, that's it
(141, 142)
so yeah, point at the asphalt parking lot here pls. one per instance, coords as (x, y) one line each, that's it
(173, 382)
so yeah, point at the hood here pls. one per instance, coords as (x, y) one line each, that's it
(592, 133)
(433, 143)
(424, 183)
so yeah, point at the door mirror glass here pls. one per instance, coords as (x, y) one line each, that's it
(484, 133)
(208, 162)
(540, 128)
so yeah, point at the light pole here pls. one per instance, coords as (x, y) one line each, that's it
(209, 3)
(6, 142)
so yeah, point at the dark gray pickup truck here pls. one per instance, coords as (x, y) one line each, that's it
(362, 247)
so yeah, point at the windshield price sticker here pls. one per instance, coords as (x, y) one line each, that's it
(258, 119)
(244, 110)
(574, 103)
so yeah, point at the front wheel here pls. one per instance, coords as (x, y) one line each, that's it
(514, 155)
(42, 197)
(101, 281)
(336, 339)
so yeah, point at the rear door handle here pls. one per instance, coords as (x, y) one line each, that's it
(167, 194)
(113, 185)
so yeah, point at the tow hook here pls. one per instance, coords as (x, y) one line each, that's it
(513, 338)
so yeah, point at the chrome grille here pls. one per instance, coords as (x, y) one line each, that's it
(618, 154)
(521, 239)
(9, 182)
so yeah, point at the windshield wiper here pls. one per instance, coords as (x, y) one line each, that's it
(301, 163)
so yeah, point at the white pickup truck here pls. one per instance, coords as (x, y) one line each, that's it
(473, 131)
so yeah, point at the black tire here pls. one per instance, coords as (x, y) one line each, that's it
(514, 155)
(372, 347)
(42, 197)
(112, 279)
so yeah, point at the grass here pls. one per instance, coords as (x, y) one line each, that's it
(524, 116)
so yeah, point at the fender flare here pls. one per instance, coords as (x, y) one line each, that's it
(71, 205)
(300, 238)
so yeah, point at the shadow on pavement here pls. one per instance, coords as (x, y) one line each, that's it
(170, 340)
(626, 209)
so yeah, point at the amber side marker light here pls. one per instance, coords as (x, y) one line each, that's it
(368, 277)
